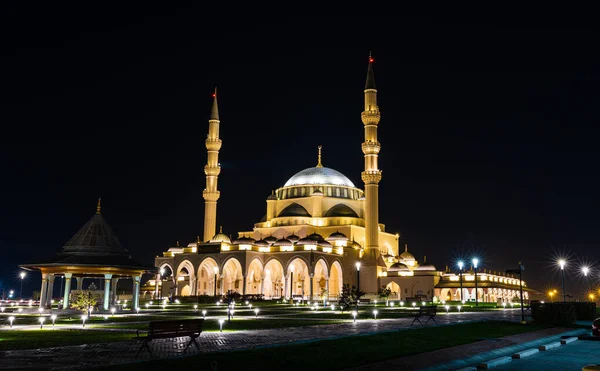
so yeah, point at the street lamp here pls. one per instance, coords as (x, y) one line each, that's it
(460, 267)
(357, 280)
(585, 270)
(22, 275)
(216, 272)
(475, 262)
(562, 264)
(551, 294)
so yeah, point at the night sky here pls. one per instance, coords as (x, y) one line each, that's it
(489, 129)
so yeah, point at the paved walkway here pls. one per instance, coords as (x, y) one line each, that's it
(89, 355)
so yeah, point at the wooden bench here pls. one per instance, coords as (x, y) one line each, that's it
(172, 329)
(426, 311)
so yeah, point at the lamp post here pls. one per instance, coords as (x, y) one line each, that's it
(162, 272)
(475, 262)
(460, 267)
(585, 270)
(292, 284)
(216, 272)
(562, 264)
(22, 275)
(357, 281)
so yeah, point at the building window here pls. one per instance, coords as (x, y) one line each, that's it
(337, 192)
(302, 191)
(284, 194)
(329, 191)
(345, 193)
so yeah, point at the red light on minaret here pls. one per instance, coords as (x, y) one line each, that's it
(214, 94)
(371, 60)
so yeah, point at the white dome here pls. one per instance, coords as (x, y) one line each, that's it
(319, 175)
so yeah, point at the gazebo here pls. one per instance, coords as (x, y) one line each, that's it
(93, 252)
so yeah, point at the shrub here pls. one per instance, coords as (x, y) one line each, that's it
(562, 313)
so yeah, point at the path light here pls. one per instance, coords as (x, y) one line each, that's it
(250, 306)
(332, 307)
(53, 318)
(20, 310)
(414, 304)
(504, 305)
(354, 315)
(459, 308)
(113, 310)
(150, 303)
(447, 308)
(147, 305)
(221, 325)
(177, 301)
(401, 303)
(137, 310)
(2, 309)
(375, 314)
(391, 304)
(375, 301)
(195, 306)
(42, 319)
(256, 312)
(247, 302)
(512, 305)
(41, 310)
(423, 303)
(218, 303)
(83, 318)
(204, 314)
(11, 319)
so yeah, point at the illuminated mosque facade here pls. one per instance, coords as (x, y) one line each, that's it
(320, 231)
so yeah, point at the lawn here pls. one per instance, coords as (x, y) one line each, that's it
(32, 339)
(238, 324)
(342, 353)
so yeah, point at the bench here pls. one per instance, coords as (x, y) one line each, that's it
(426, 311)
(172, 329)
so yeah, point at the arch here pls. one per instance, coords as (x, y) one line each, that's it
(188, 266)
(396, 290)
(292, 259)
(320, 276)
(254, 277)
(185, 273)
(186, 291)
(341, 210)
(273, 283)
(166, 265)
(294, 209)
(206, 277)
(299, 275)
(336, 279)
(232, 274)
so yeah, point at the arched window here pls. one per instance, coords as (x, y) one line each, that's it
(302, 191)
(345, 193)
(337, 192)
(284, 194)
(329, 191)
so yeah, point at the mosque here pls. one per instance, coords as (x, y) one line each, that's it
(320, 231)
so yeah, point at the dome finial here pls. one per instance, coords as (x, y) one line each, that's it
(220, 229)
(319, 158)
(405, 247)
(99, 206)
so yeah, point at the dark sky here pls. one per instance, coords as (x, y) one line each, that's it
(489, 128)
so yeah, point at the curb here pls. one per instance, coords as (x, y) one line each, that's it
(478, 359)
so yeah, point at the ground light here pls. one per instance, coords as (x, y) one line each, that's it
(423, 303)
(221, 325)
(53, 318)
(504, 305)
(401, 303)
(42, 319)
(256, 312)
(11, 319)
(391, 304)
(375, 314)
(83, 318)
(247, 302)
(332, 307)
(250, 306)
(137, 310)
(414, 304)
(2, 309)
(512, 305)
(459, 308)
(354, 313)
(113, 310)
(204, 314)
(447, 308)
(147, 305)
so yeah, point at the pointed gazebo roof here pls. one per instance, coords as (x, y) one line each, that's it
(94, 245)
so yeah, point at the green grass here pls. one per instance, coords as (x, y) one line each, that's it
(238, 324)
(343, 352)
(32, 339)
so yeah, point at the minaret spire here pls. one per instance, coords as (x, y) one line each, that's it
(99, 205)
(319, 164)
(371, 176)
(212, 171)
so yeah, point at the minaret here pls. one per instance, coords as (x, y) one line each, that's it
(212, 171)
(372, 175)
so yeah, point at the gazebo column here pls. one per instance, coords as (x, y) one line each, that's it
(43, 290)
(67, 290)
(312, 282)
(327, 287)
(136, 292)
(244, 284)
(50, 290)
(113, 289)
(79, 283)
(107, 285)
(222, 284)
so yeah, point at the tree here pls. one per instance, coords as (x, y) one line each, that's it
(345, 299)
(356, 294)
(84, 301)
(384, 293)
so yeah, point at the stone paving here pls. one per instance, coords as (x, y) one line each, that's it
(103, 354)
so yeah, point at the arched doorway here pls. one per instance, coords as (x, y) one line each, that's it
(185, 276)
(208, 271)
(298, 275)
(273, 282)
(335, 279)
(396, 291)
(232, 276)
(320, 279)
(254, 277)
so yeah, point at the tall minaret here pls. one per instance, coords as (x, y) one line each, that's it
(212, 171)
(372, 175)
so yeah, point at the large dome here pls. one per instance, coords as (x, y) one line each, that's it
(319, 175)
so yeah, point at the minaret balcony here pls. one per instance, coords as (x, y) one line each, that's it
(211, 195)
(370, 117)
(213, 144)
(212, 170)
(371, 176)
(371, 147)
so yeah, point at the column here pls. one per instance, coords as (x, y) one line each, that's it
(136, 292)
(157, 286)
(113, 289)
(79, 283)
(327, 286)
(262, 284)
(107, 278)
(222, 284)
(312, 282)
(244, 284)
(285, 287)
(50, 291)
(67, 290)
(43, 290)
